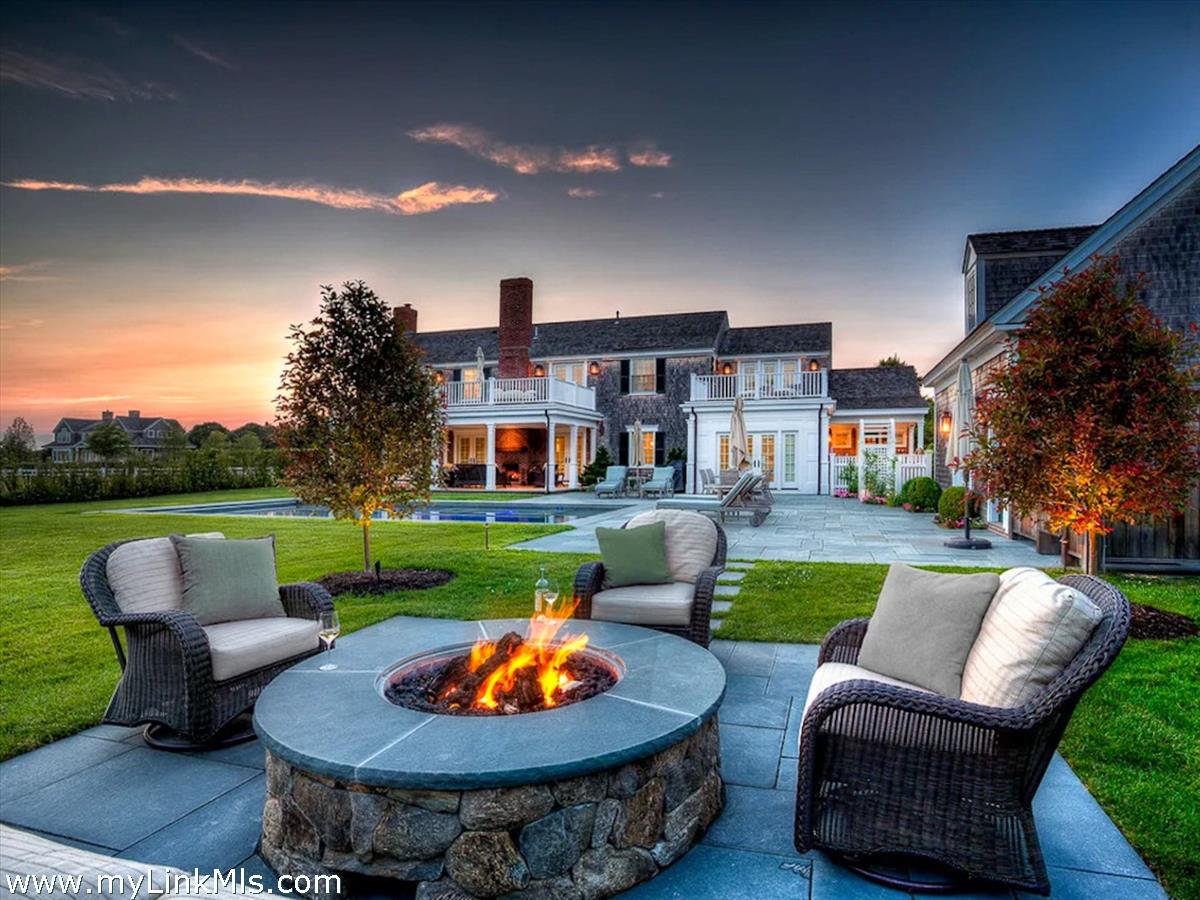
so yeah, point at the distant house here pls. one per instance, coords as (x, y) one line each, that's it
(70, 435)
(1156, 233)
(529, 404)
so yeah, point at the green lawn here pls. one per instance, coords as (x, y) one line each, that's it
(1135, 740)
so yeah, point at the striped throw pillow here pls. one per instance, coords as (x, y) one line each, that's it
(1030, 633)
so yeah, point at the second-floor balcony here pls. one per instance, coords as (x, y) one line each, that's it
(762, 386)
(507, 392)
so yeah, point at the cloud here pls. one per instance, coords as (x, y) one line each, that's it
(76, 82)
(647, 155)
(658, 195)
(525, 159)
(27, 272)
(584, 193)
(99, 398)
(204, 53)
(426, 198)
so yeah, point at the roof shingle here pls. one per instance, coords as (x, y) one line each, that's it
(879, 387)
(812, 337)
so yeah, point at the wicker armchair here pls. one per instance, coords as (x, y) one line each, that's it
(887, 770)
(166, 671)
(589, 581)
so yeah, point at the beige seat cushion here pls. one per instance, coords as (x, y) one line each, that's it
(645, 604)
(145, 576)
(691, 540)
(1030, 633)
(248, 644)
(831, 673)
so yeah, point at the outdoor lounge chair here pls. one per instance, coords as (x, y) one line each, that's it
(695, 557)
(614, 481)
(746, 499)
(186, 681)
(661, 482)
(708, 482)
(888, 769)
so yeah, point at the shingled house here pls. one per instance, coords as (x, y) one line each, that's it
(529, 404)
(1156, 233)
(70, 435)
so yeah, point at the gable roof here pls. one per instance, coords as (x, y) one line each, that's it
(585, 337)
(812, 337)
(1036, 240)
(878, 387)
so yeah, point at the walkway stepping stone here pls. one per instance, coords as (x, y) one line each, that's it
(730, 576)
(739, 564)
(726, 590)
(715, 625)
(722, 606)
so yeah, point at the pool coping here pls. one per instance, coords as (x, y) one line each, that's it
(338, 724)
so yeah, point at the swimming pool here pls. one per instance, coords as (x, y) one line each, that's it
(438, 511)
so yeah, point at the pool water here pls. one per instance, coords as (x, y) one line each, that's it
(438, 511)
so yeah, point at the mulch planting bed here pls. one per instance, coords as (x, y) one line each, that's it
(386, 582)
(1155, 624)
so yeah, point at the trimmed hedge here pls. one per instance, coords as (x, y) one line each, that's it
(200, 470)
(923, 493)
(950, 506)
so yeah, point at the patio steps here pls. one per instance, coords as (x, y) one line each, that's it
(727, 588)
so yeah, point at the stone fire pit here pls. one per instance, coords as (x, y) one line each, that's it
(578, 801)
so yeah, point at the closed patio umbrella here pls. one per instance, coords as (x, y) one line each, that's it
(739, 445)
(959, 446)
(479, 362)
(635, 457)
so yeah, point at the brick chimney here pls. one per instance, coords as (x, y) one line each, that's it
(135, 414)
(516, 326)
(106, 416)
(405, 318)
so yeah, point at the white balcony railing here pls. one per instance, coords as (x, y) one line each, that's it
(761, 386)
(517, 391)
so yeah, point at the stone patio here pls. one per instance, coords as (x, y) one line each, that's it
(809, 528)
(104, 790)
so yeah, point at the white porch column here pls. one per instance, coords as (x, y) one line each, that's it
(920, 434)
(490, 459)
(862, 458)
(892, 435)
(573, 459)
(550, 466)
(690, 475)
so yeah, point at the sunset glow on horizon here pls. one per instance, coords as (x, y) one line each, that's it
(178, 182)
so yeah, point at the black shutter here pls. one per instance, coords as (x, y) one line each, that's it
(660, 449)
(660, 375)
(624, 377)
(623, 450)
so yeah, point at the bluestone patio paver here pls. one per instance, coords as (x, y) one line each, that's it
(204, 810)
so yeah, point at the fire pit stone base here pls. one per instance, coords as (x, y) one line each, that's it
(585, 837)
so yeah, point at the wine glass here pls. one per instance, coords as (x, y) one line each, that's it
(330, 627)
(550, 595)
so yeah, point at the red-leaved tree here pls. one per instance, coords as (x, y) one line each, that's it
(1094, 419)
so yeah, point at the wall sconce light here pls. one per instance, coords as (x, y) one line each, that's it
(830, 410)
(814, 366)
(594, 369)
(727, 369)
(539, 371)
(945, 423)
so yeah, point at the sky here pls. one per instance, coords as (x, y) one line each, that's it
(179, 179)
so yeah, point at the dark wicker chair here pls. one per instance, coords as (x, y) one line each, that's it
(888, 771)
(166, 672)
(589, 581)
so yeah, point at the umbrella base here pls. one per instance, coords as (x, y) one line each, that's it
(969, 544)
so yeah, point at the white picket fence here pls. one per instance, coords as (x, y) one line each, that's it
(877, 471)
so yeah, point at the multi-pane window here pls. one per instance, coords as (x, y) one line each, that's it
(722, 452)
(642, 376)
(789, 457)
(574, 372)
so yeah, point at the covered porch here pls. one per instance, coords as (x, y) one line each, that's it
(872, 454)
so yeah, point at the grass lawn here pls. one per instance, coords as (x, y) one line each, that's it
(1134, 739)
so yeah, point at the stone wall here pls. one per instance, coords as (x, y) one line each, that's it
(663, 410)
(578, 839)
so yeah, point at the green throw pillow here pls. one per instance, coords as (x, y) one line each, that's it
(228, 580)
(925, 625)
(634, 555)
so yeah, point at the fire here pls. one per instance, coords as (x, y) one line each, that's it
(540, 652)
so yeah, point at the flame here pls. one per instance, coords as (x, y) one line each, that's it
(540, 651)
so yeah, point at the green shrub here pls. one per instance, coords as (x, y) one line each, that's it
(922, 493)
(950, 506)
(594, 471)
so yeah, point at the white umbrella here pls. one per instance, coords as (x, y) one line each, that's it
(635, 458)
(739, 445)
(959, 446)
